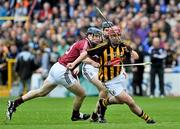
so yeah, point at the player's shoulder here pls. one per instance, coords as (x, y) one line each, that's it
(81, 43)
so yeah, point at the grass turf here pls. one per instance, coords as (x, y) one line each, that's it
(55, 113)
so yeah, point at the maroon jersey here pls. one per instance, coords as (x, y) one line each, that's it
(74, 52)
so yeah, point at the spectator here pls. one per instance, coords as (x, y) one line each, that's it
(54, 55)
(3, 62)
(157, 55)
(138, 70)
(45, 59)
(71, 7)
(25, 65)
(151, 4)
(14, 38)
(170, 60)
(144, 29)
(3, 12)
(62, 47)
(13, 51)
(21, 8)
(46, 12)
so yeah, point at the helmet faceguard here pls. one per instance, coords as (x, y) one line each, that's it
(105, 27)
(114, 30)
(94, 35)
(106, 24)
(114, 34)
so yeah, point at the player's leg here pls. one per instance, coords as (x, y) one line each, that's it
(49, 84)
(116, 88)
(123, 97)
(78, 100)
(99, 85)
(44, 90)
(91, 74)
(102, 94)
(127, 99)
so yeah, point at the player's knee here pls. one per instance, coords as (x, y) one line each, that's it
(83, 95)
(81, 98)
(103, 94)
(103, 90)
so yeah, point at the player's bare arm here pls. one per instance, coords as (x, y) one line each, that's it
(82, 56)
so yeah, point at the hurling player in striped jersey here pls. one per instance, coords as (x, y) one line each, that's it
(111, 55)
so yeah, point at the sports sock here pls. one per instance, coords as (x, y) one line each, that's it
(18, 102)
(75, 113)
(94, 115)
(106, 102)
(144, 116)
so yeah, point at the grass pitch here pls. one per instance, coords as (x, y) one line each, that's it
(55, 113)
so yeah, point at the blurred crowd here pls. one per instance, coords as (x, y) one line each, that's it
(56, 24)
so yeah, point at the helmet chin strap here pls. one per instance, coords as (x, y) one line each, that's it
(89, 42)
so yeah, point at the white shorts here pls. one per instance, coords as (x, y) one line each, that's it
(89, 71)
(116, 85)
(59, 74)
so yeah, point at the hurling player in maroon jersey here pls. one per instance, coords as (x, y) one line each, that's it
(61, 74)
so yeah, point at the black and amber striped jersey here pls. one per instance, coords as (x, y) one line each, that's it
(108, 56)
